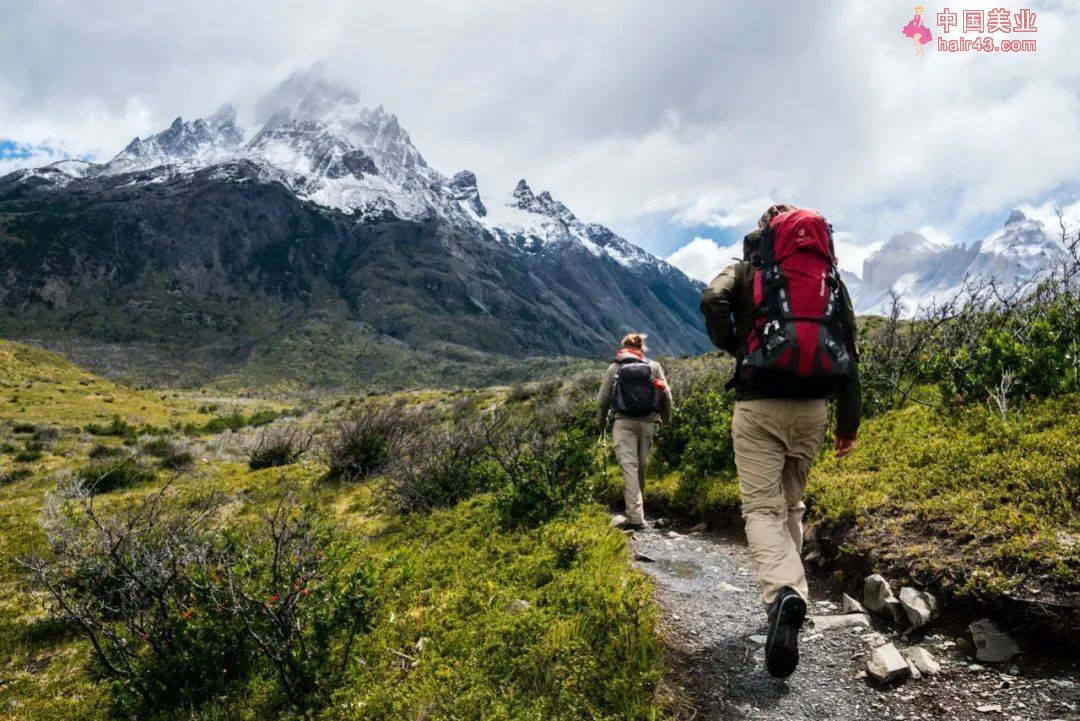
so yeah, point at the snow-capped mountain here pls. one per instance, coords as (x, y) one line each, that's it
(206, 234)
(923, 272)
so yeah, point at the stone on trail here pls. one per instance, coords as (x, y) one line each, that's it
(759, 639)
(727, 587)
(886, 664)
(850, 605)
(922, 660)
(874, 639)
(920, 606)
(827, 623)
(674, 534)
(643, 558)
(618, 520)
(879, 598)
(699, 528)
(991, 644)
(988, 708)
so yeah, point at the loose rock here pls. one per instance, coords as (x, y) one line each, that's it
(920, 606)
(618, 520)
(886, 664)
(850, 605)
(922, 660)
(518, 606)
(991, 644)
(879, 598)
(874, 639)
(726, 587)
(759, 639)
(826, 623)
(989, 708)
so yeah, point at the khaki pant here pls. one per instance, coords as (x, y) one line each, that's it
(776, 441)
(632, 438)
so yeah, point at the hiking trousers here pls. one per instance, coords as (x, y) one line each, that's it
(632, 438)
(776, 441)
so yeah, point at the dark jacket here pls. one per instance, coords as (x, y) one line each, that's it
(728, 302)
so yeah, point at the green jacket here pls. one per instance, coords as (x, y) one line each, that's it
(728, 301)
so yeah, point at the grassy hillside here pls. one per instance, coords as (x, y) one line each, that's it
(465, 614)
(37, 386)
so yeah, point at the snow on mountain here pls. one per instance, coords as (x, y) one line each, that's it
(194, 144)
(540, 223)
(923, 272)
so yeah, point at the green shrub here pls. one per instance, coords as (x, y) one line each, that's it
(180, 613)
(109, 474)
(116, 427)
(548, 471)
(279, 446)
(15, 475)
(361, 444)
(23, 428)
(27, 456)
(102, 451)
(438, 466)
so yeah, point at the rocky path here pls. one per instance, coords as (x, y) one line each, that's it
(714, 624)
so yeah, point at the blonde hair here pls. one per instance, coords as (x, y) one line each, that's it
(772, 212)
(636, 341)
(919, 9)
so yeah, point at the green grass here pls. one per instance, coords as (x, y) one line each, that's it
(38, 387)
(983, 505)
(549, 622)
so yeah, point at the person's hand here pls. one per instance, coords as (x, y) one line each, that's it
(843, 446)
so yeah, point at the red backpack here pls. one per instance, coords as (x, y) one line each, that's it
(797, 342)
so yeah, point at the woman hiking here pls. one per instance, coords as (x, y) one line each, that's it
(635, 391)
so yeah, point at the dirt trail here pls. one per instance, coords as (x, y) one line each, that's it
(711, 611)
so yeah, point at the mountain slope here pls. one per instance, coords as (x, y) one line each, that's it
(322, 236)
(923, 272)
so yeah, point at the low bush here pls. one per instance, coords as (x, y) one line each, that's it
(361, 444)
(116, 427)
(23, 428)
(110, 474)
(171, 455)
(439, 466)
(179, 613)
(15, 475)
(102, 451)
(548, 470)
(279, 446)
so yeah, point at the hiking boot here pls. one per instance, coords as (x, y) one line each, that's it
(786, 615)
(635, 526)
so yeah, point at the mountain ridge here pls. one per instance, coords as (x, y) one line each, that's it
(221, 249)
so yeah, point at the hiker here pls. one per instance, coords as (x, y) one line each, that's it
(785, 315)
(635, 390)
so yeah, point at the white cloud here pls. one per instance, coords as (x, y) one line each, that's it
(703, 258)
(620, 109)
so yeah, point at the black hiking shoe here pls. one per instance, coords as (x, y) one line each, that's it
(786, 615)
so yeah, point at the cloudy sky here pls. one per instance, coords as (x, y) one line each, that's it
(674, 123)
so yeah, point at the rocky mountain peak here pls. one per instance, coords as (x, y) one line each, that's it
(1016, 216)
(462, 188)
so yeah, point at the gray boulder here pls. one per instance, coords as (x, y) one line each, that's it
(826, 623)
(919, 606)
(991, 644)
(922, 659)
(886, 665)
(850, 605)
(879, 598)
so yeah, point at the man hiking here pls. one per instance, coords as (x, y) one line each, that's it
(635, 390)
(785, 315)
